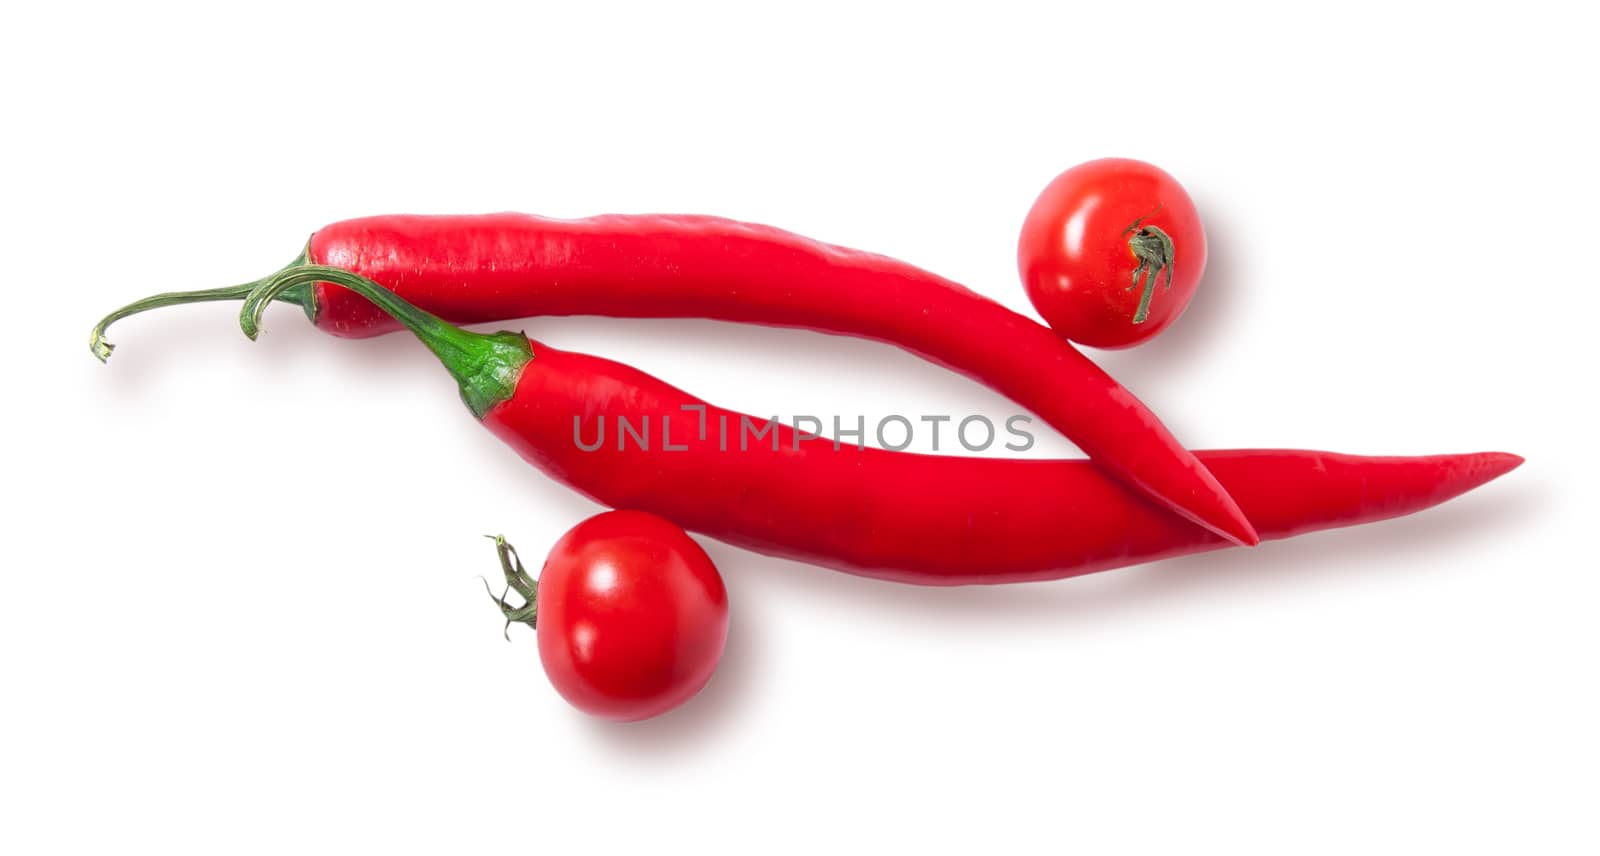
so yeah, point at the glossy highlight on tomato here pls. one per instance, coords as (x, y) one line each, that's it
(1111, 252)
(632, 616)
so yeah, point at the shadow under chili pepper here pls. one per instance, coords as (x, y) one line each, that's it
(162, 346)
(1383, 547)
(1375, 548)
(720, 350)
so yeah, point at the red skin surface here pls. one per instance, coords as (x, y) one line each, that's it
(632, 616)
(923, 519)
(499, 266)
(1075, 261)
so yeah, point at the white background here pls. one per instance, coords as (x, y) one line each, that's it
(239, 607)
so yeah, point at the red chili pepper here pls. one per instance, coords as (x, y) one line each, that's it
(896, 515)
(494, 267)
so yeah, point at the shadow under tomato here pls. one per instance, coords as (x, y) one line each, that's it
(730, 688)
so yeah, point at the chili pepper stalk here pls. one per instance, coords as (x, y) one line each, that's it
(303, 295)
(485, 366)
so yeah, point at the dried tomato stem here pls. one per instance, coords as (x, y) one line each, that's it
(516, 579)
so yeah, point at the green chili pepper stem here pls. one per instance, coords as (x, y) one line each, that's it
(301, 295)
(486, 365)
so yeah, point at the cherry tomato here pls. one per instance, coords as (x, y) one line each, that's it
(631, 615)
(1111, 252)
